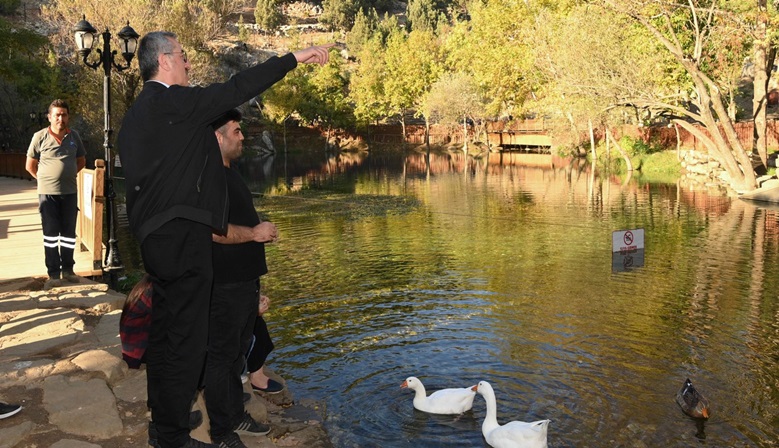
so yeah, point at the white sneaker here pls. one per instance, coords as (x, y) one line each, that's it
(7, 410)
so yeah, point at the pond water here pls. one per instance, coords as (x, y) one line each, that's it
(459, 270)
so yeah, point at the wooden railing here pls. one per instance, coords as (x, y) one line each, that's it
(91, 203)
(12, 165)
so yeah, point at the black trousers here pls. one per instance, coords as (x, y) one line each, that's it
(261, 347)
(233, 311)
(58, 220)
(178, 258)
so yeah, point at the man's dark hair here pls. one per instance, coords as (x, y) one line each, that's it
(230, 115)
(59, 103)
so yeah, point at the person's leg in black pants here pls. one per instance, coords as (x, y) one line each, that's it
(178, 258)
(68, 232)
(58, 222)
(51, 223)
(263, 345)
(233, 309)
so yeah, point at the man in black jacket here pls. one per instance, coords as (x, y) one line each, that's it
(176, 198)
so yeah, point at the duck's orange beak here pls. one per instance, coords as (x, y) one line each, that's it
(705, 412)
(404, 384)
(475, 388)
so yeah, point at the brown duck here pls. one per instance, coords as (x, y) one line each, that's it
(692, 402)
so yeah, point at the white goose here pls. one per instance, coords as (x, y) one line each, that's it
(444, 401)
(512, 434)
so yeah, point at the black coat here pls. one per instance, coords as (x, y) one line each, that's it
(171, 159)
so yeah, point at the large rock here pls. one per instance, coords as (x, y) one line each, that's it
(81, 407)
(38, 332)
(112, 368)
(107, 333)
(83, 297)
(13, 303)
(10, 437)
(132, 388)
(27, 372)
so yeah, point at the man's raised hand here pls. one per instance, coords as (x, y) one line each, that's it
(319, 54)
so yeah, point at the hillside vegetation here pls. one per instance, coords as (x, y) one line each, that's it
(584, 66)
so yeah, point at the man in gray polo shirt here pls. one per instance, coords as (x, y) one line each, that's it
(55, 157)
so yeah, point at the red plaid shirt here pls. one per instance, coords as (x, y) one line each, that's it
(134, 328)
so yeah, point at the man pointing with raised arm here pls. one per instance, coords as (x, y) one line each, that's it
(176, 198)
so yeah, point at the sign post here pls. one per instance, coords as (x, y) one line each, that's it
(627, 249)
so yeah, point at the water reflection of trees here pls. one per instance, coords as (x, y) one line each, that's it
(736, 300)
(705, 305)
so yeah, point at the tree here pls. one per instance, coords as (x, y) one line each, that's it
(268, 15)
(386, 27)
(365, 24)
(764, 55)
(413, 64)
(328, 102)
(454, 100)
(339, 14)
(8, 7)
(596, 81)
(283, 99)
(421, 15)
(493, 47)
(694, 35)
(194, 22)
(367, 83)
(243, 33)
(26, 79)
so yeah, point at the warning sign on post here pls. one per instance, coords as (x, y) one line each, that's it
(627, 250)
(627, 240)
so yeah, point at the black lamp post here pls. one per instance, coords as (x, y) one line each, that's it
(86, 35)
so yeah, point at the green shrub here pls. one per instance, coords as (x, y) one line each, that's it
(8, 7)
(637, 147)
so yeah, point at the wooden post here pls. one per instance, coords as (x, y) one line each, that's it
(98, 208)
(91, 205)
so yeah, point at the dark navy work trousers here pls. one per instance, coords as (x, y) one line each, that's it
(58, 220)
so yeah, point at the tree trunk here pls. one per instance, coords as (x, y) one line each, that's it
(284, 126)
(678, 143)
(427, 134)
(727, 147)
(760, 84)
(403, 126)
(628, 163)
(465, 135)
(592, 144)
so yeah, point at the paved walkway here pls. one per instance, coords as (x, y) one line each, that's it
(21, 237)
(60, 357)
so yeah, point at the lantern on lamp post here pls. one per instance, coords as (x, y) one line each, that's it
(85, 36)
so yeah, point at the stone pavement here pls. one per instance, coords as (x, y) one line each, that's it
(60, 358)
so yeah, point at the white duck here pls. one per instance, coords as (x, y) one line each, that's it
(444, 401)
(512, 434)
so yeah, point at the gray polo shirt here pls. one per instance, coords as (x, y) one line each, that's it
(57, 167)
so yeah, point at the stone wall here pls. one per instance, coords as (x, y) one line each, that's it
(700, 171)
